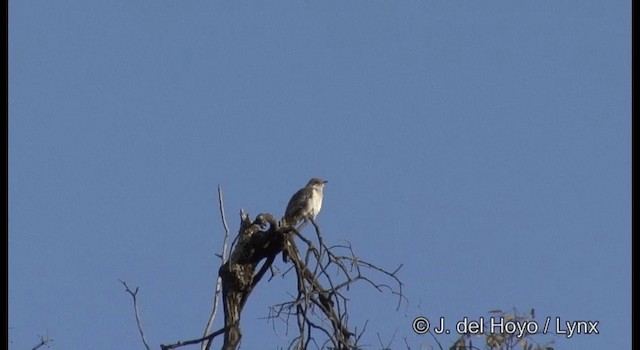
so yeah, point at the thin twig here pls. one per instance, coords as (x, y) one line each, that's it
(44, 341)
(195, 341)
(436, 339)
(225, 257)
(225, 252)
(407, 343)
(137, 312)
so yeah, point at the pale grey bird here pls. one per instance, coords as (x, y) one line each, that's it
(306, 203)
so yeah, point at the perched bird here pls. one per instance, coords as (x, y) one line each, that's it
(306, 203)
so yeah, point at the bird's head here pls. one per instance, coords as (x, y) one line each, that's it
(316, 182)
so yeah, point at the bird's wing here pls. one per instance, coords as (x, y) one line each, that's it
(297, 203)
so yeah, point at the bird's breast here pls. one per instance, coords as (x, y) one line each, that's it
(316, 202)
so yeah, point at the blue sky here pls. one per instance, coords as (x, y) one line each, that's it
(484, 145)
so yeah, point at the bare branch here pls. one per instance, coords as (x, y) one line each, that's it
(224, 221)
(224, 256)
(137, 312)
(436, 339)
(44, 341)
(202, 340)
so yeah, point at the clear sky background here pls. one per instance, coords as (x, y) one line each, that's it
(485, 145)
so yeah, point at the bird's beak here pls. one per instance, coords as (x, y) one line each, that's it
(325, 181)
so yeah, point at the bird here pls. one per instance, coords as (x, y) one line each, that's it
(306, 203)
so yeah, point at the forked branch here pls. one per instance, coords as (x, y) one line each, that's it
(134, 296)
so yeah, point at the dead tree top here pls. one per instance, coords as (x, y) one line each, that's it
(323, 274)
